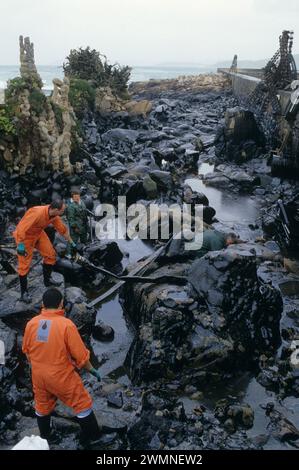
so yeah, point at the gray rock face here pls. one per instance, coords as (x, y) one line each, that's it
(150, 187)
(234, 415)
(75, 295)
(162, 178)
(239, 139)
(78, 312)
(225, 177)
(225, 318)
(10, 303)
(28, 68)
(160, 312)
(158, 413)
(115, 170)
(107, 253)
(153, 136)
(103, 332)
(227, 282)
(7, 369)
(115, 399)
(126, 135)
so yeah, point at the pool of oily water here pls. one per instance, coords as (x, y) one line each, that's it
(111, 355)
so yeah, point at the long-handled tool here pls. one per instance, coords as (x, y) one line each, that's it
(84, 261)
(90, 228)
(138, 269)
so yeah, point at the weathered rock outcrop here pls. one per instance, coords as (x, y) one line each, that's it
(108, 102)
(8, 392)
(41, 130)
(234, 179)
(165, 424)
(190, 84)
(27, 63)
(79, 312)
(227, 317)
(239, 139)
(237, 301)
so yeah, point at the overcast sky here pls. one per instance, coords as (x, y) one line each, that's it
(140, 32)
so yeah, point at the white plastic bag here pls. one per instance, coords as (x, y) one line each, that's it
(32, 443)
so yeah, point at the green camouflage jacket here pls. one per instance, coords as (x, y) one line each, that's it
(76, 215)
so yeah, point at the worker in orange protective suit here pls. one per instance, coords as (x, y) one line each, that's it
(30, 235)
(54, 348)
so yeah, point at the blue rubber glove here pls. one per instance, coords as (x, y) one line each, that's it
(73, 247)
(95, 373)
(21, 249)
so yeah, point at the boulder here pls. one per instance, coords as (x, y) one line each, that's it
(120, 135)
(289, 287)
(150, 187)
(9, 362)
(162, 178)
(226, 317)
(107, 253)
(160, 314)
(139, 108)
(282, 428)
(160, 419)
(225, 176)
(238, 414)
(107, 102)
(208, 214)
(240, 138)
(10, 303)
(191, 159)
(115, 170)
(115, 399)
(78, 311)
(228, 284)
(153, 136)
(102, 332)
(291, 265)
(111, 422)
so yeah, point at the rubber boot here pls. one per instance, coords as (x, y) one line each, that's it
(44, 427)
(46, 431)
(48, 280)
(25, 297)
(90, 430)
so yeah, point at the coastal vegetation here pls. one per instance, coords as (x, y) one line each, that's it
(90, 65)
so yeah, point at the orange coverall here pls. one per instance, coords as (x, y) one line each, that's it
(30, 231)
(54, 347)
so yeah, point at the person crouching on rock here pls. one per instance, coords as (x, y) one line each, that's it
(213, 240)
(54, 348)
(76, 214)
(30, 235)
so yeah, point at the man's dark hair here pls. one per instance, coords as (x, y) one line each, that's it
(52, 298)
(56, 204)
(75, 191)
(232, 236)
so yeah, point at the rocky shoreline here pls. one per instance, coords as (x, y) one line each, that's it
(233, 322)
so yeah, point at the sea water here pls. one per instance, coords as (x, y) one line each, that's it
(139, 73)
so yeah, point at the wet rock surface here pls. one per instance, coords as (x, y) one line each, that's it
(220, 319)
(239, 139)
(228, 284)
(209, 365)
(10, 304)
